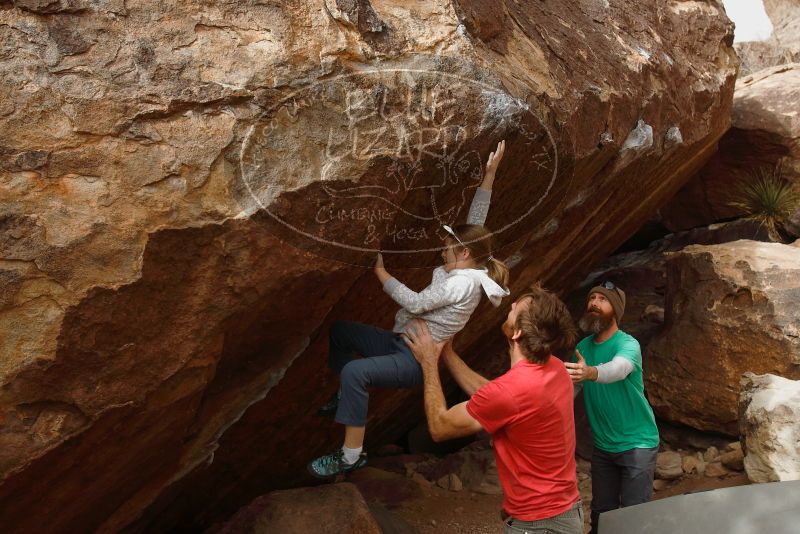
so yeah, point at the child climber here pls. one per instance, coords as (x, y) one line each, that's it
(469, 270)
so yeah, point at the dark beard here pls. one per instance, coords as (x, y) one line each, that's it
(593, 324)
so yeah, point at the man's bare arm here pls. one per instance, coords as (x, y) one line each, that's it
(444, 424)
(465, 377)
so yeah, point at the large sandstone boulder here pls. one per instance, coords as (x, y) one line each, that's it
(765, 132)
(340, 508)
(191, 191)
(642, 274)
(730, 308)
(769, 408)
(782, 47)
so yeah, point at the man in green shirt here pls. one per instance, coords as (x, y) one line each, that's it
(609, 365)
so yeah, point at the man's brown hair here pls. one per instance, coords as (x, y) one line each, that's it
(546, 325)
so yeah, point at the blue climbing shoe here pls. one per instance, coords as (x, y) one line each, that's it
(333, 464)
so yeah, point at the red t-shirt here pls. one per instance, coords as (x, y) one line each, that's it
(528, 412)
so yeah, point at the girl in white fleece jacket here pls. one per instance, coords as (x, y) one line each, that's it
(455, 291)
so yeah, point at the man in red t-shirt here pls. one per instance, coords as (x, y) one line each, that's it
(528, 411)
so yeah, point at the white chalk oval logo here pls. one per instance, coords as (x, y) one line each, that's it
(381, 160)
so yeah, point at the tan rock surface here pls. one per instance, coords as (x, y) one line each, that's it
(769, 408)
(340, 507)
(715, 470)
(659, 484)
(765, 131)
(693, 464)
(783, 46)
(733, 460)
(669, 465)
(642, 274)
(711, 454)
(164, 333)
(731, 308)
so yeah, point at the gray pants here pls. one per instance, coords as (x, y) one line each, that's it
(621, 479)
(569, 522)
(387, 363)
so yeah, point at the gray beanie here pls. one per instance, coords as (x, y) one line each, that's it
(615, 296)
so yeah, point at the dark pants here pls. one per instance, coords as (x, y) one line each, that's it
(387, 363)
(621, 479)
(569, 522)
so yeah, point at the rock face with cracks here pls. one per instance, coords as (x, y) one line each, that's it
(765, 134)
(730, 308)
(191, 190)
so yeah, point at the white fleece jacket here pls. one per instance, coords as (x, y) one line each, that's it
(448, 302)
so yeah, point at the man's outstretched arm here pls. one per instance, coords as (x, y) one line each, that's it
(465, 377)
(617, 369)
(443, 424)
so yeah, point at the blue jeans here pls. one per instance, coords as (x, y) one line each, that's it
(621, 479)
(387, 363)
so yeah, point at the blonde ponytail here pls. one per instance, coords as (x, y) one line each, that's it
(498, 271)
(478, 239)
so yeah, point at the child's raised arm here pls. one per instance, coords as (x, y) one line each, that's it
(491, 165)
(479, 209)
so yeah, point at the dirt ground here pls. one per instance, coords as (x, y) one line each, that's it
(407, 506)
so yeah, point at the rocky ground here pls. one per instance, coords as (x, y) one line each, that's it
(446, 512)
(454, 509)
(459, 493)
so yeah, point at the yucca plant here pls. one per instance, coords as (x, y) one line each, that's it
(766, 197)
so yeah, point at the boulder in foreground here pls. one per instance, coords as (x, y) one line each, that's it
(770, 411)
(334, 509)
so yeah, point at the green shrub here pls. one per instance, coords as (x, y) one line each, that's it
(765, 196)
